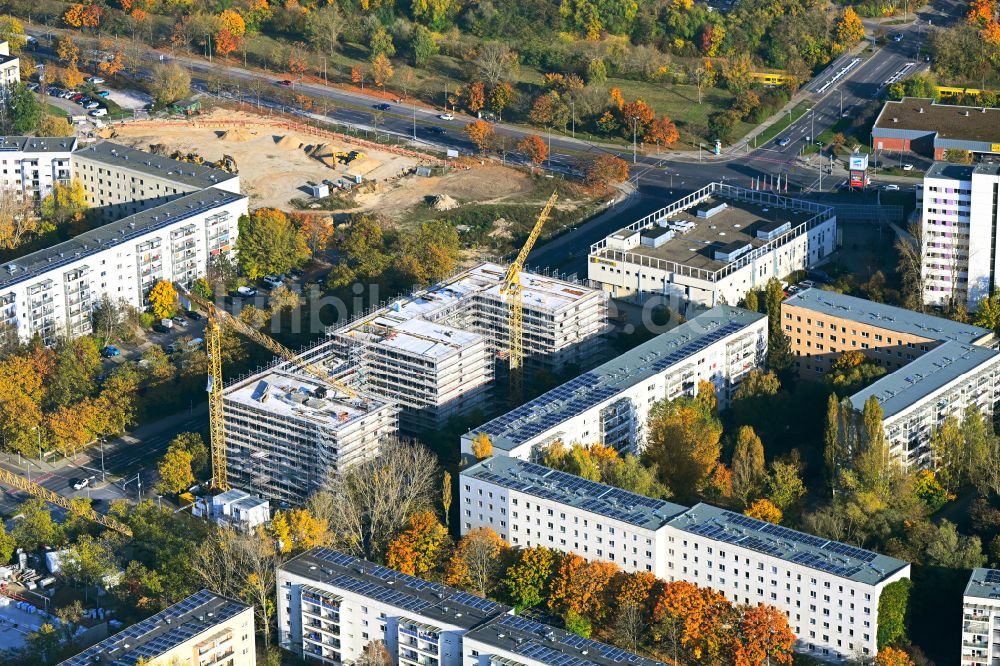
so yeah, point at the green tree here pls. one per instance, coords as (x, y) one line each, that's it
(752, 301)
(951, 550)
(950, 455)
(578, 624)
(380, 43)
(784, 485)
(423, 46)
(893, 612)
(44, 643)
(36, 528)
(175, 471)
(88, 561)
(8, 544)
(748, 465)
(872, 464)
(833, 451)
(269, 244)
(22, 110)
(988, 312)
(683, 443)
(323, 28)
(195, 445)
(757, 384)
(430, 253)
(779, 347)
(78, 363)
(170, 83)
(527, 580)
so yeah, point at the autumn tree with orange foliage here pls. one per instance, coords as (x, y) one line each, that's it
(481, 133)
(475, 96)
(382, 70)
(533, 147)
(477, 561)
(764, 509)
(889, 656)
(662, 131)
(981, 12)
(763, 637)
(579, 587)
(420, 547)
(637, 116)
(229, 37)
(603, 170)
(699, 615)
(617, 100)
(73, 16)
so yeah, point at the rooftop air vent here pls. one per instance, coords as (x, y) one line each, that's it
(895, 120)
(920, 110)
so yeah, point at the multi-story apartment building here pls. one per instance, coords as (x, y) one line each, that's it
(120, 181)
(10, 66)
(32, 165)
(52, 292)
(203, 630)
(936, 367)
(713, 246)
(434, 351)
(959, 219)
(828, 590)
(981, 619)
(286, 433)
(610, 404)
(331, 606)
(530, 505)
(509, 640)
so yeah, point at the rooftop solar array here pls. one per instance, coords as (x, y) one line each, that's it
(592, 388)
(551, 484)
(984, 583)
(160, 633)
(816, 552)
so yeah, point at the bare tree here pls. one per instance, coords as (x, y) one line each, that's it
(18, 219)
(368, 504)
(242, 566)
(115, 318)
(629, 627)
(910, 269)
(495, 62)
(375, 654)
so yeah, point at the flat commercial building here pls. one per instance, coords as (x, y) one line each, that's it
(610, 404)
(508, 640)
(32, 165)
(713, 246)
(530, 505)
(332, 605)
(205, 629)
(922, 126)
(936, 367)
(434, 352)
(959, 222)
(286, 432)
(828, 590)
(981, 619)
(52, 292)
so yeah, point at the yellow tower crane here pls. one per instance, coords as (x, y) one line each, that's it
(511, 288)
(17, 481)
(213, 344)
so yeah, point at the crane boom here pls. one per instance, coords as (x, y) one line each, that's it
(511, 287)
(17, 481)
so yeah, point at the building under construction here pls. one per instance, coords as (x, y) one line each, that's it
(418, 360)
(286, 432)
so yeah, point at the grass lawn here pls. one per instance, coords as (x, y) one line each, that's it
(53, 110)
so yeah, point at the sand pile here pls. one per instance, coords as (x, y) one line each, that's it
(501, 230)
(237, 135)
(289, 142)
(443, 202)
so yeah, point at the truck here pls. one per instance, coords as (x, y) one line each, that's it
(167, 322)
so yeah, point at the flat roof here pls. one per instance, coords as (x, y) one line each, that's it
(410, 594)
(113, 154)
(112, 234)
(37, 144)
(984, 583)
(240, 498)
(964, 172)
(293, 394)
(549, 645)
(840, 559)
(947, 121)
(889, 317)
(560, 404)
(924, 376)
(425, 338)
(736, 224)
(156, 635)
(575, 491)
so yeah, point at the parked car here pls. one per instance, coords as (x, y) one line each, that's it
(97, 113)
(382, 107)
(110, 351)
(194, 315)
(434, 129)
(76, 98)
(160, 328)
(247, 292)
(80, 484)
(297, 273)
(286, 83)
(94, 79)
(180, 321)
(103, 93)
(783, 141)
(807, 284)
(898, 37)
(890, 188)
(91, 105)
(446, 116)
(272, 281)
(54, 92)
(907, 167)
(33, 87)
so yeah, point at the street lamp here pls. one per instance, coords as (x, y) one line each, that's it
(635, 125)
(104, 476)
(572, 106)
(841, 91)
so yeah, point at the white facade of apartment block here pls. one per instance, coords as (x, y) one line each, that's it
(286, 433)
(331, 606)
(959, 218)
(32, 165)
(610, 404)
(828, 590)
(10, 66)
(701, 265)
(981, 619)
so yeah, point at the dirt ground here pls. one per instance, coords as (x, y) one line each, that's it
(274, 166)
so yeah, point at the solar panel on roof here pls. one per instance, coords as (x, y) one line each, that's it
(992, 576)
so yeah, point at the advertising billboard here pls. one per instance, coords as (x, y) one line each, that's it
(857, 178)
(859, 162)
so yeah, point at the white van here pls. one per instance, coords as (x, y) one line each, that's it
(97, 113)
